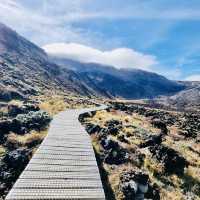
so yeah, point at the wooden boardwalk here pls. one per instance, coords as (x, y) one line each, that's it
(64, 166)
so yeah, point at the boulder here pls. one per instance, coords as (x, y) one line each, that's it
(114, 153)
(32, 120)
(153, 192)
(116, 156)
(86, 115)
(92, 128)
(113, 127)
(3, 187)
(153, 140)
(112, 131)
(122, 138)
(17, 159)
(161, 125)
(119, 106)
(113, 123)
(190, 124)
(4, 129)
(172, 161)
(8, 176)
(5, 126)
(9, 94)
(11, 166)
(107, 143)
(135, 184)
(14, 110)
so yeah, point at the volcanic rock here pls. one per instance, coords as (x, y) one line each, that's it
(135, 184)
(17, 159)
(172, 161)
(92, 128)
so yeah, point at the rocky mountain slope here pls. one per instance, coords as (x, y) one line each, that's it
(125, 83)
(188, 99)
(25, 69)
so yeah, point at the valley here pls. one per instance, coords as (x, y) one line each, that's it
(148, 138)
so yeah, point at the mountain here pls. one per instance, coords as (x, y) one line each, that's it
(26, 69)
(188, 99)
(126, 83)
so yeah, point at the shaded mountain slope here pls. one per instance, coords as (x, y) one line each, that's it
(126, 83)
(29, 70)
(188, 99)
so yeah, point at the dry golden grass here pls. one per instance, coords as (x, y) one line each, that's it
(54, 105)
(2, 151)
(194, 172)
(28, 140)
(189, 149)
(171, 186)
(101, 117)
(153, 167)
(95, 143)
(4, 110)
(171, 195)
(15, 102)
(57, 103)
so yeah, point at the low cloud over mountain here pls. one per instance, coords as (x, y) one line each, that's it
(193, 78)
(120, 57)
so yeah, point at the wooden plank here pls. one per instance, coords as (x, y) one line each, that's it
(35, 167)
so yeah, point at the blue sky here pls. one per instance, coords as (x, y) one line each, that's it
(155, 35)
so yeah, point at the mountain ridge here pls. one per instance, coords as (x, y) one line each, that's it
(29, 69)
(27, 65)
(137, 83)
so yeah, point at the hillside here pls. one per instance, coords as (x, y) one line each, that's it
(188, 99)
(28, 69)
(125, 83)
(146, 153)
(25, 68)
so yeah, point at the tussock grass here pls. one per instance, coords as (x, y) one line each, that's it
(57, 103)
(15, 102)
(172, 187)
(30, 140)
(54, 105)
(2, 150)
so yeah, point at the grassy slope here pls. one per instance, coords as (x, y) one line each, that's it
(171, 186)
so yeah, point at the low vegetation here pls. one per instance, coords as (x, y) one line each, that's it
(146, 152)
(23, 126)
(57, 103)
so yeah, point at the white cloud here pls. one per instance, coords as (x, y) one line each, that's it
(44, 21)
(195, 77)
(48, 21)
(120, 57)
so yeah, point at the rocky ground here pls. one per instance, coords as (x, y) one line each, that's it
(145, 152)
(23, 125)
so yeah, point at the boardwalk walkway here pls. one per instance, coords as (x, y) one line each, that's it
(64, 166)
